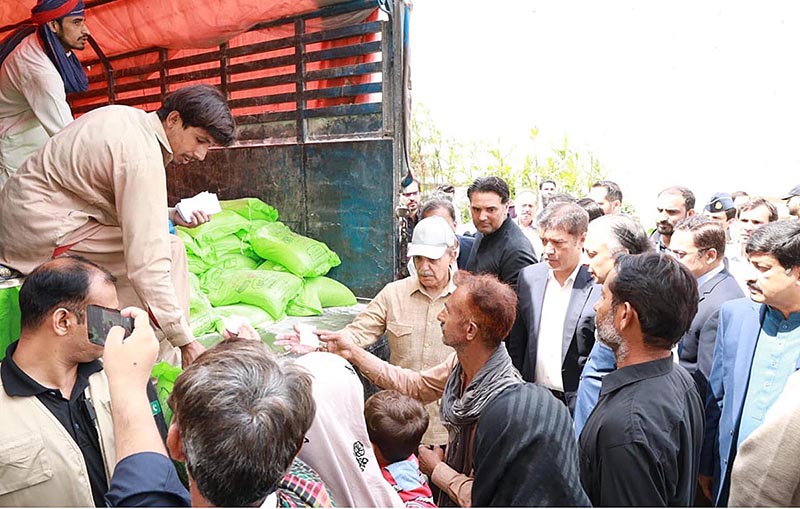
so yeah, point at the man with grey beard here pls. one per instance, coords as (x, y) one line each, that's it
(641, 444)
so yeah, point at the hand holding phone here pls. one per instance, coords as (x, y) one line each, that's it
(100, 320)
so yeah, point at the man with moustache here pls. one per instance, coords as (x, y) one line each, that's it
(757, 350)
(406, 311)
(526, 210)
(554, 330)
(673, 204)
(38, 67)
(606, 238)
(500, 246)
(474, 321)
(641, 445)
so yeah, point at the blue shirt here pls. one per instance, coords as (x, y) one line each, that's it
(775, 359)
(146, 479)
(601, 361)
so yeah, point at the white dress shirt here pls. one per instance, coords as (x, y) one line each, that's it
(551, 330)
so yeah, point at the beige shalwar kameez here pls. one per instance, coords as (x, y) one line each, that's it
(99, 186)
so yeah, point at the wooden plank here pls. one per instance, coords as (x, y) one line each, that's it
(258, 65)
(271, 81)
(355, 50)
(262, 100)
(371, 27)
(344, 91)
(345, 109)
(344, 71)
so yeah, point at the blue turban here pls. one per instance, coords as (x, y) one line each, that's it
(68, 66)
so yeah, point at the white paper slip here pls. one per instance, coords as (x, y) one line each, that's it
(204, 202)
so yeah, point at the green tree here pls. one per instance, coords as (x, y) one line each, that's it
(436, 158)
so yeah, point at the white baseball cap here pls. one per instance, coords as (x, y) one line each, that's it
(432, 236)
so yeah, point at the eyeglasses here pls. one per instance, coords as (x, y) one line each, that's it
(680, 255)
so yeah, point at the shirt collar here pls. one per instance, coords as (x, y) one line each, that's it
(570, 279)
(416, 286)
(708, 275)
(631, 374)
(17, 383)
(776, 317)
(161, 135)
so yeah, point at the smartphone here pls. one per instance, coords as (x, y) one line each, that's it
(99, 321)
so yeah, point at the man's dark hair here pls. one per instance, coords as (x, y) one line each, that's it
(446, 188)
(548, 181)
(436, 204)
(242, 415)
(494, 185)
(613, 192)
(706, 233)
(737, 194)
(395, 424)
(60, 283)
(780, 239)
(591, 207)
(491, 303)
(202, 106)
(761, 202)
(661, 290)
(684, 192)
(567, 216)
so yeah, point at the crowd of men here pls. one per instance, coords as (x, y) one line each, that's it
(558, 356)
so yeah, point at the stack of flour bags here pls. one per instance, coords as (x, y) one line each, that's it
(245, 264)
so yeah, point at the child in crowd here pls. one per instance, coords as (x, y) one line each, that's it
(395, 424)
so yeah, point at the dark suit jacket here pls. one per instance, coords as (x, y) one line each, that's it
(465, 248)
(578, 337)
(697, 345)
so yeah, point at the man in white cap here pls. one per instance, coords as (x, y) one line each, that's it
(406, 310)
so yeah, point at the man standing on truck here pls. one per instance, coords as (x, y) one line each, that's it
(37, 69)
(98, 189)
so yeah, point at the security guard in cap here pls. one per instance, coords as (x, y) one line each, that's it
(721, 209)
(793, 201)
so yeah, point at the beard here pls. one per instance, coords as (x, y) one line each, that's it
(665, 228)
(608, 334)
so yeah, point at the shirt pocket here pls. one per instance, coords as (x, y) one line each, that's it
(399, 336)
(23, 463)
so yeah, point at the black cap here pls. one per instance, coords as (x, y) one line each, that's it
(720, 202)
(794, 192)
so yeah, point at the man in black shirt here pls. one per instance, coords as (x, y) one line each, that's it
(500, 246)
(52, 382)
(641, 445)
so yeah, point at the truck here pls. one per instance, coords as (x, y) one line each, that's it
(318, 90)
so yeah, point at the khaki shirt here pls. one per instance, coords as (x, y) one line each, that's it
(106, 169)
(406, 313)
(33, 104)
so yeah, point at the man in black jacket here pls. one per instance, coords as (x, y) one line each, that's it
(500, 246)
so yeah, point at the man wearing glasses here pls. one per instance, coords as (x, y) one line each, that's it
(698, 242)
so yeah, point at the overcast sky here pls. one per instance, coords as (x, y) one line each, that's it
(704, 94)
